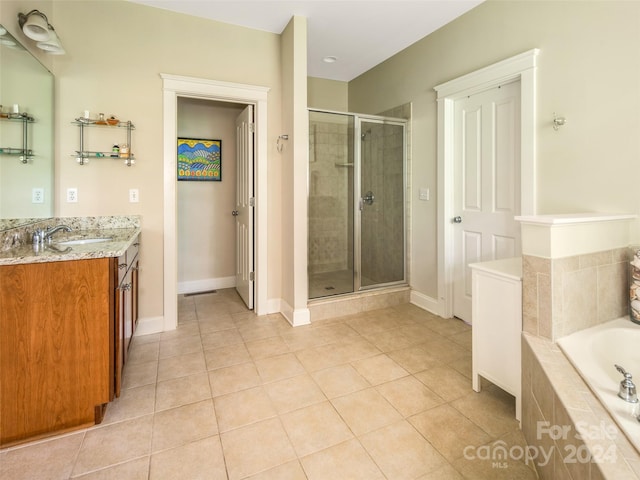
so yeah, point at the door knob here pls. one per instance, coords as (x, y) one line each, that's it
(234, 213)
(369, 198)
(457, 219)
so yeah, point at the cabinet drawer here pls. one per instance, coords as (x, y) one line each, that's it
(128, 259)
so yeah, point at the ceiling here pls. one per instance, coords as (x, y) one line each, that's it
(358, 33)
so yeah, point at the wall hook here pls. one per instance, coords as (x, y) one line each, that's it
(279, 144)
(558, 121)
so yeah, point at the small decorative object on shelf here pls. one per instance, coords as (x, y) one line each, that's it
(82, 156)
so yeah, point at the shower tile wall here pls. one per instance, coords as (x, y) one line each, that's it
(330, 197)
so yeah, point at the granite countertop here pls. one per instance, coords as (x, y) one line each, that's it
(120, 240)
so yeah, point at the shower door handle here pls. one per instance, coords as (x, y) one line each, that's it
(368, 198)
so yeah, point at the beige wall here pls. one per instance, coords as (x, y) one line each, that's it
(116, 51)
(589, 71)
(327, 94)
(206, 228)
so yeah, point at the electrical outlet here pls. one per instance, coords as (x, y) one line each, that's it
(72, 195)
(37, 195)
(134, 196)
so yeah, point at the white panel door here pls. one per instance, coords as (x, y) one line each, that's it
(487, 185)
(244, 206)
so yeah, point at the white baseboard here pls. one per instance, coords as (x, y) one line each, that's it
(301, 316)
(149, 325)
(425, 302)
(195, 286)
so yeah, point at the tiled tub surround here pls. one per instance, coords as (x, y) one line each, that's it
(562, 416)
(563, 295)
(574, 277)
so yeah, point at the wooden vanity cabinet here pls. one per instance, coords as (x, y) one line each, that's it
(56, 346)
(65, 328)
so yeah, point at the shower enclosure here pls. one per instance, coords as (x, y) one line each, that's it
(356, 203)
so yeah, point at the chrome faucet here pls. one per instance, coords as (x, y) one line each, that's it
(627, 388)
(40, 236)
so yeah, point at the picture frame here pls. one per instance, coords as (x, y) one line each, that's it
(199, 159)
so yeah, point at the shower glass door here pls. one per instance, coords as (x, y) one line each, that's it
(356, 203)
(382, 217)
(331, 195)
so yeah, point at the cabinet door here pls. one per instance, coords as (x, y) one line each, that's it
(54, 346)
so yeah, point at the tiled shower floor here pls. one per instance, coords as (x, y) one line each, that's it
(228, 395)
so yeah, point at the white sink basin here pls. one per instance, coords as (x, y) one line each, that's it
(84, 241)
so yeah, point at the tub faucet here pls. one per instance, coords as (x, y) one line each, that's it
(627, 388)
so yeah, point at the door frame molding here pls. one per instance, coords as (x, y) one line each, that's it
(174, 86)
(520, 67)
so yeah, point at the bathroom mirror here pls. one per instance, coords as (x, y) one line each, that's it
(26, 87)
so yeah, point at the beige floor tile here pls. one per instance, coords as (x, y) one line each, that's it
(234, 378)
(332, 332)
(379, 369)
(287, 471)
(47, 459)
(279, 367)
(256, 448)
(323, 356)
(112, 444)
(257, 331)
(186, 330)
(444, 473)
(243, 408)
(315, 428)
(267, 347)
(351, 349)
(181, 425)
(449, 431)
(401, 452)
(181, 366)
(443, 349)
(147, 352)
(182, 391)
(348, 460)
(226, 356)
(293, 393)
(221, 338)
(447, 326)
(139, 374)
(340, 380)
(409, 396)
(490, 469)
(372, 323)
(133, 402)
(365, 411)
(446, 382)
(388, 341)
(137, 469)
(180, 346)
(414, 359)
(202, 459)
(214, 323)
(304, 337)
(463, 339)
(463, 365)
(492, 409)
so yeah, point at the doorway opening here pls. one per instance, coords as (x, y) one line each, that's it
(206, 204)
(175, 87)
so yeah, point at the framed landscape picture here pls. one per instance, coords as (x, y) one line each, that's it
(199, 159)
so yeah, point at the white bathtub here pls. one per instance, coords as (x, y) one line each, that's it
(594, 352)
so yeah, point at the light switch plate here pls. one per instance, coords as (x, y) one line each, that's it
(134, 195)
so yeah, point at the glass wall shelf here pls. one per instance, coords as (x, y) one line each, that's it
(83, 155)
(25, 152)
